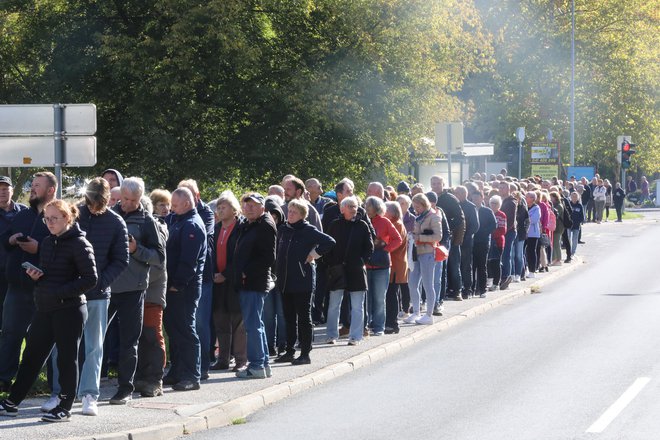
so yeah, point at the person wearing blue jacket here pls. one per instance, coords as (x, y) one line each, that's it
(578, 217)
(107, 233)
(299, 244)
(186, 256)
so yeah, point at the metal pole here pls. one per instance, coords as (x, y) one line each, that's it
(519, 160)
(58, 135)
(572, 82)
(449, 148)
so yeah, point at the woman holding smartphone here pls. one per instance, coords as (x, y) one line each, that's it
(66, 271)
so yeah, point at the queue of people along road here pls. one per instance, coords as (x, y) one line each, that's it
(241, 285)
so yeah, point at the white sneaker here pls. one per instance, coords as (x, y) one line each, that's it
(531, 275)
(402, 315)
(412, 318)
(516, 278)
(424, 320)
(90, 406)
(50, 404)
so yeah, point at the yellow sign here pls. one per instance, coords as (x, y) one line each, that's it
(545, 171)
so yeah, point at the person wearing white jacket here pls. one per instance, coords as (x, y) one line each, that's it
(600, 195)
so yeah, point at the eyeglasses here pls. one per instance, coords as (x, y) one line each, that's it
(47, 220)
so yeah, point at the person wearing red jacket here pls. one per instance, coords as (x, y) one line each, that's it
(378, 267)
(497, 242)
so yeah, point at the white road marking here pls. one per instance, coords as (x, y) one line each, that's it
(618, 406)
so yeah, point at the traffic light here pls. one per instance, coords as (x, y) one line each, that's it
(627, 150)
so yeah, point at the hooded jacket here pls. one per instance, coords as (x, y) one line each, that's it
(186, 251)
(69, 271)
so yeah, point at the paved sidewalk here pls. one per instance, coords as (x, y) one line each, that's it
(224, 398)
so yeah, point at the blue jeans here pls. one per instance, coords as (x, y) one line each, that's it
(508, 254)
(423, 273)
(203, 322)
(357, 314)
(377, 282)
(16, 317)
(574, 235)
(439, 282)
(273, 317)
(519, 257)
(180, 325)
(252, 307)
(93, 334)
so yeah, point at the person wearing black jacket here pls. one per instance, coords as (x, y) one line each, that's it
(354, 246)
(522, 223)
(8, 210)
(21, 241)
(487, 224)
(298, 245)
(227, 315)
(186, 255)
(107, 233)
(66, 271)
(509, 207)
(456, 219)
(471, 227)
(618, 197)
(254, 255)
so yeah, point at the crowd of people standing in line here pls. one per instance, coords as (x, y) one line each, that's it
(240, 283)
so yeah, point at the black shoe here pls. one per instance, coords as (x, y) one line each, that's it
(281, 350)
(436, 312)
(204, 376)
(220, 365)
(185, 385)
(303, 359)
(8, 409)
(121, 398)
(505, 284)
(391, 331)
(138, 385)
(4, 386)
(57, 414)
(287, 357)
(151, 390)
(581, 242)
(170, 380)
(272, 352)
(568, 260)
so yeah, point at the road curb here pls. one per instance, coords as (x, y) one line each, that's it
(236, 410)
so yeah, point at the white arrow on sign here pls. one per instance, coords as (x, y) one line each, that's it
(24, 151)
(39, 119)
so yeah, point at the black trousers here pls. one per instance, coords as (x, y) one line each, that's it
(320, 308)
(532, 253)
(466, 264)
(619, 212)
(3, 293)
(566, 243)
(395, 301)
(61, 328)
(128, 309)
(298, 317)
(480, 265)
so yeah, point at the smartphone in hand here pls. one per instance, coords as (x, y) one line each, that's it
(22, 239)
(26, 265)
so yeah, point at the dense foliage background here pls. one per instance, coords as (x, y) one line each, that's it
(237, 93)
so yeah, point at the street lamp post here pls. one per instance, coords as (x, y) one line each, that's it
(572, 82)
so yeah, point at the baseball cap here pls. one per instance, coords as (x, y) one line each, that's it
(255, 197)
(6, 180)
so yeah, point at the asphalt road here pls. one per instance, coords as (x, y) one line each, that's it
(579, 360)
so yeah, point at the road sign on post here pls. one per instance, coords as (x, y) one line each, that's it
(54, 135)
(449, 137)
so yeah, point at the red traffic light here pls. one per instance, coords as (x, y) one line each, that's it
(625, 147)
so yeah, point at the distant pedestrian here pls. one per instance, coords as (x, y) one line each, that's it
(645, 191)
(618, 197)
(497, 243)
(534, 232)
(577, 215)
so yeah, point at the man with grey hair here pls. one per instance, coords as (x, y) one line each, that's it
(186, 255)
(128, 290)
(316, 195)
(376, 189)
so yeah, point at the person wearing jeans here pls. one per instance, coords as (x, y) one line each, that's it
(398, 282)
(354, 246)
(378, 269)
(107, 233)
(487, 225)
(253, 258)
(427, 233)
(577, 215)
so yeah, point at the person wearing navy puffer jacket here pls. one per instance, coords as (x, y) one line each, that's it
(298, 245)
